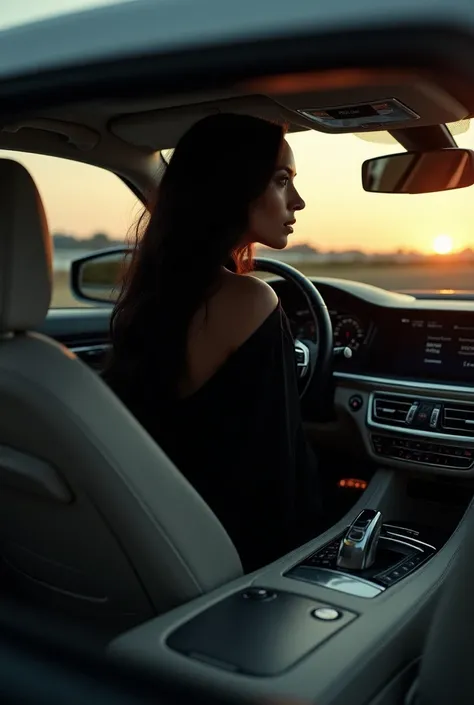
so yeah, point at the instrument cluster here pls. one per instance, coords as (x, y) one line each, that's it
(348, 329)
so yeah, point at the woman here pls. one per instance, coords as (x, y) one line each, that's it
(202, 352)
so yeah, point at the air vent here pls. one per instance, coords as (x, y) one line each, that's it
(458, 419)
(391, 410)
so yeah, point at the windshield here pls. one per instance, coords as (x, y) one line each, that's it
(397, 241)
(19, 13)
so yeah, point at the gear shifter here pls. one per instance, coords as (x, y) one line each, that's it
(359, 544)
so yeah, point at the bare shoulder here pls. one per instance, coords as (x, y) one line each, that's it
(237, 309)
(256, 293)
(240, 306)
(246, 302)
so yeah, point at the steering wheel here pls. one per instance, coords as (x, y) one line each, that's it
(314, 357)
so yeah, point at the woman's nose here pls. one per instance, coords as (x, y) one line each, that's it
(298, 203)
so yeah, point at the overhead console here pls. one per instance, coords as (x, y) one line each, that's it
(376, 100)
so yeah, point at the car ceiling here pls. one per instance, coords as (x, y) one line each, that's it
(125, 136)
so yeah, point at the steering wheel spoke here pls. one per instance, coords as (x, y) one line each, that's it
(302, 356)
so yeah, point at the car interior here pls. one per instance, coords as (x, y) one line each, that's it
(97, 525)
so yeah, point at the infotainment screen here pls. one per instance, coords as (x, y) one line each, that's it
(431, 346)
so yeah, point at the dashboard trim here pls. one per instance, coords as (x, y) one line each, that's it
(425, 433)
(408, 384)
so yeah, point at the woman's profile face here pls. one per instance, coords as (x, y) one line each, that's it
(272, 216)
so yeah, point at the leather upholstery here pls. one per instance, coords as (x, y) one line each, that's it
(446, 667)
(94, 518)
(25, 261)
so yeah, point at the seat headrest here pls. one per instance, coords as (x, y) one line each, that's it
(25, 251)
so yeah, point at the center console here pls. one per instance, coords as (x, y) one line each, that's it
(263, 631)
(334, 617)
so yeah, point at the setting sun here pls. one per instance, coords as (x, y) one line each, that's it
(443, 244)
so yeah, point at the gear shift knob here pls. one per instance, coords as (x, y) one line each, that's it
(359, 544)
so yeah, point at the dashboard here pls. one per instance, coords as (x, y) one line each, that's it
(391, 335)
(404, 398)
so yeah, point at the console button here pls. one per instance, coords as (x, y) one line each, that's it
(327, 614)
(258, 594)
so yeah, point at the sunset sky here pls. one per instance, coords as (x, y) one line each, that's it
(81, 200)
(339, 215)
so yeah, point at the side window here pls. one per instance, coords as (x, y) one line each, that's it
(87, 208)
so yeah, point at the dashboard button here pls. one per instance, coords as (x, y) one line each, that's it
(356, 402)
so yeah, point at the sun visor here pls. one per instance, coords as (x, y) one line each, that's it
(162, 128)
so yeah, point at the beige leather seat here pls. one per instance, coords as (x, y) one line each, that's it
(94, 519)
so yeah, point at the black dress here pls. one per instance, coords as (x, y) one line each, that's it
(239, 441)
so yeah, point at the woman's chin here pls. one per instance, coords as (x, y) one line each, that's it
(277, 243)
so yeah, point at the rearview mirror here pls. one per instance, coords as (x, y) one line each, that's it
(419, 172)
(99, 277)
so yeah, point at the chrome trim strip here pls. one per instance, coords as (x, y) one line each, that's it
(90, 348)
(402, 528)
(404, 543)
(422, 543)
(388, 381)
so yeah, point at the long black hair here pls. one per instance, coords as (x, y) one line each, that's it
(196, 225)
